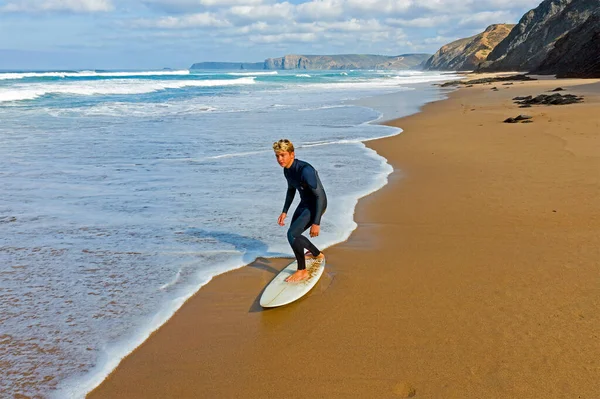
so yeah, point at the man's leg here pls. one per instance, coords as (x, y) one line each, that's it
(301, 222)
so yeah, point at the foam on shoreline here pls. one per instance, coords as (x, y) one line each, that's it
(79, 386)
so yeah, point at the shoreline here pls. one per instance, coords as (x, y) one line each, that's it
(114, 353)
(267, 335)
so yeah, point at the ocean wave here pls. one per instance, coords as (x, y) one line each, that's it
(396, 82)
(325, 107)
(252, 73)
(303, 75)
(112, 87)
(235, 154)
(88, 74)
(125, 109)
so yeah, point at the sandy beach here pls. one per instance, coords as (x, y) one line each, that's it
(475, 273)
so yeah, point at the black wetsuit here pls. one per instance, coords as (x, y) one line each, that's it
(303, 177)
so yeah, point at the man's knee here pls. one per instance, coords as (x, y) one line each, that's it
(291, 236)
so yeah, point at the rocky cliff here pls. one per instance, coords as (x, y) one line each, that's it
(346, 61)
(467, 54)
(576, 54)
(528, 44)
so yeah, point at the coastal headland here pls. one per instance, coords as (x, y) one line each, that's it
(472, 274)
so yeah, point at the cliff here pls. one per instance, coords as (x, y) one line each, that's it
(528, 44)
(467, 54)
(346, 61)
(576, 54)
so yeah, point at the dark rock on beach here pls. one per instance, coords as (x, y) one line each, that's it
(522, 117)
(487, 80)
(552, 99)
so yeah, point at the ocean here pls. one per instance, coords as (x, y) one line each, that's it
(124, 192)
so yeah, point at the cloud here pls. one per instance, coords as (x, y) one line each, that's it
(192, 6)
(77, 6)
(261, 13)
(429, 22)
(200, 20)
(486, 18)
(283, 38)
(254, 29)
(320, 10)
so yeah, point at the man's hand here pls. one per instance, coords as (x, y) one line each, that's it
(281, 220)
(314, 230)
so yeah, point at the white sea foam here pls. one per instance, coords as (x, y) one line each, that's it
(87, 74)
(398, 83)
(235, 154)
(252, 73)
(139, 110)
(325, 107)
(303, 75)
(110, 87)
(124, 219)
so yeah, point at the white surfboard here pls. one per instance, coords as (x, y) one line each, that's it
(279, 292)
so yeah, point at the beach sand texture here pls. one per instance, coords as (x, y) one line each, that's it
(475, 273)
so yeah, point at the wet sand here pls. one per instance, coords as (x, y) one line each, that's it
(475, 273)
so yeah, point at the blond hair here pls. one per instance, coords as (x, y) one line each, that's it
(283, 145)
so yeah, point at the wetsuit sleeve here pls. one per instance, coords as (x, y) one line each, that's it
(289, 197)
(309, 176)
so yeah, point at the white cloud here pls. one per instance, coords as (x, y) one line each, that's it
(200, 20)
(182, 6)
(486, 18)
(354, 25)
(260, 13)
(227, 3)
(438, 40)
(381, 7)
(272, 26)
(78, 6)
(320, 10)
(284, 38)
(429, 22)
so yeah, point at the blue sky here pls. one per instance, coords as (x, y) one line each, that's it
(128, 34)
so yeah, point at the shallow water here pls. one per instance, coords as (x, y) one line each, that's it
(123, 193)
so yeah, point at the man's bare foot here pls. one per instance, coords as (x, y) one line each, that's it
(298, 276)
(308, 255)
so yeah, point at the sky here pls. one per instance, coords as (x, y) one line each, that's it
(156, 34)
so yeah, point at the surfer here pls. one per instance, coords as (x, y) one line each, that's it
(303, 177)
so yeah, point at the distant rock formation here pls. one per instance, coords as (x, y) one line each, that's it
(346, 61)
(576, 54)
(467, 54)
(528, 44)
(228, 65)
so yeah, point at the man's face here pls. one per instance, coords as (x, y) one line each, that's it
(284, 158)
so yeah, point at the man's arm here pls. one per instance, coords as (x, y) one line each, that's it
(309, 175)
(289, 197)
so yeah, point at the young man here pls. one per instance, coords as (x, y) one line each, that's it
(303, 177)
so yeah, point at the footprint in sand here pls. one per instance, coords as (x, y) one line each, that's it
(404, 390)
